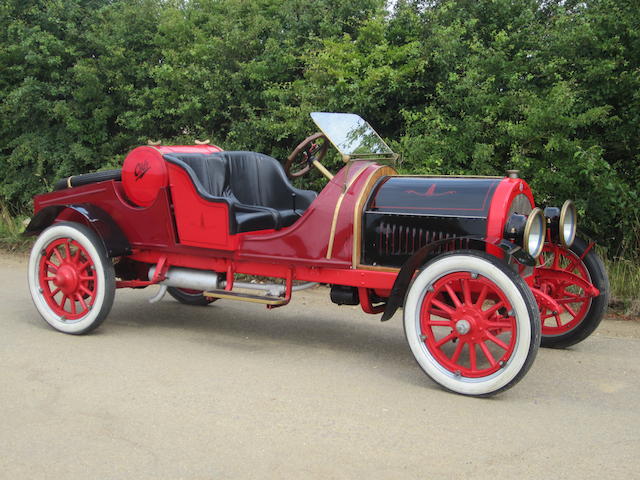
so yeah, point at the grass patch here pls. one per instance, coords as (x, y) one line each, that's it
(624, 276)
(11, 229)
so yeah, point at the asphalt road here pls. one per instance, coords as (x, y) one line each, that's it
(310, 390)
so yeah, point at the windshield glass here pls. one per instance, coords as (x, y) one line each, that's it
(351, 135)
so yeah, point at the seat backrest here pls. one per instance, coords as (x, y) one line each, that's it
(257, 179)
(249, 178)
(212, 171)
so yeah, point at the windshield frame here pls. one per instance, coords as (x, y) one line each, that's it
(338, 138)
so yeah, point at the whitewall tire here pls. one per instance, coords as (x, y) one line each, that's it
(71, 278)
(472, 323)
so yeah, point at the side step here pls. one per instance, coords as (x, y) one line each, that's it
(247, 297)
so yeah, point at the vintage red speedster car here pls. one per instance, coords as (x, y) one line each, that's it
(482, 274)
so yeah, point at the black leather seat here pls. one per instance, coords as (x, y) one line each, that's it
(254, 185)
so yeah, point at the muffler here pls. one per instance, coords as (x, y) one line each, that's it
(188, 278)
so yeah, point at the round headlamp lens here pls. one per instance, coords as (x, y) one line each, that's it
(568, 223)
(534, 233)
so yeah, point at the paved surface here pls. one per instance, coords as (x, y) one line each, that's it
(310, 390)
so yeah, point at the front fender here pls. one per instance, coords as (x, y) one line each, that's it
(114, 240)
(401, 285)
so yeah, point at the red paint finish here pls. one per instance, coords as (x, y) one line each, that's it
(144, 173)
(337, 273)
(461, 331)
(506, 191)
(309, 236)
(364, 294)
(148, 227)
(200, 222)
(563, 277)
(67, 278)
(171, 223)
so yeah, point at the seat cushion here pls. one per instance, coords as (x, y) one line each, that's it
(248, 221)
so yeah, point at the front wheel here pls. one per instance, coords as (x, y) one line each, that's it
(561, 274)
(472, 323)
(71, 278)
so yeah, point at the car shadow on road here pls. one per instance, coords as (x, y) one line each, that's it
(251, 328)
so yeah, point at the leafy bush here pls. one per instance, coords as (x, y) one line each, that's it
(456, 86)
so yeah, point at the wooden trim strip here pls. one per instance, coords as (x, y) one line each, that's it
(383, 171)
(336, 211)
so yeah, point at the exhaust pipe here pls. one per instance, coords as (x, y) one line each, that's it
(188, 278)
(206, 281)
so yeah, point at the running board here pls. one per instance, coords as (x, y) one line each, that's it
(247, 297)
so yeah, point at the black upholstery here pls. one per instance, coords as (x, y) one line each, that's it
(254, 186)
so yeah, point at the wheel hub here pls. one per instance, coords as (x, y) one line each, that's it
(463, 327)
(66, 279)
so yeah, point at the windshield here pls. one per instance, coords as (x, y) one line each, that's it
(351, 135)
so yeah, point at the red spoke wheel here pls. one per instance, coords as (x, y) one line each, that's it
(583, 312)
(190, 297)
(71, 279)
(472, 323)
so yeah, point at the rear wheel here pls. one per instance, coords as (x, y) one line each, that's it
(190, 297)
(71, 278)
(472, 323)
(583, 313)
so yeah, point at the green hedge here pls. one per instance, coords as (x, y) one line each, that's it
(547, 87)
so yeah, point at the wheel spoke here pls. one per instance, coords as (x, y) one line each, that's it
(556, 258)
(440, 313)
(57, 254)
(86, 290)
(457, 351)
(73, 305)
(500, 325)
(439, 323)
(454, 297)
(490, 311)
(444, 340)
(466, 291)
(82, 302)
(576, 299)
(49, 279)
(472, 356)
(482, 297)
(87, 278)
(497, 341)
(51, 265)
(558, 321)
(571, 267)
(487, 354)
(67, 250)
(442, 306)
(570, 310)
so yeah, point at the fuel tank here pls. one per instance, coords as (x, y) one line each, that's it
(403, 213)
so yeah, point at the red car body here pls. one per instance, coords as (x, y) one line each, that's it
(367, 233)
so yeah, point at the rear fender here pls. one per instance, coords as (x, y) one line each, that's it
(401, 285)
(114, 240)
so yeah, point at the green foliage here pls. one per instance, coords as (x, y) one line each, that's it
(456, 86)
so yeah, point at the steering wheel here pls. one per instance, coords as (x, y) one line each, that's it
(308, 152)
